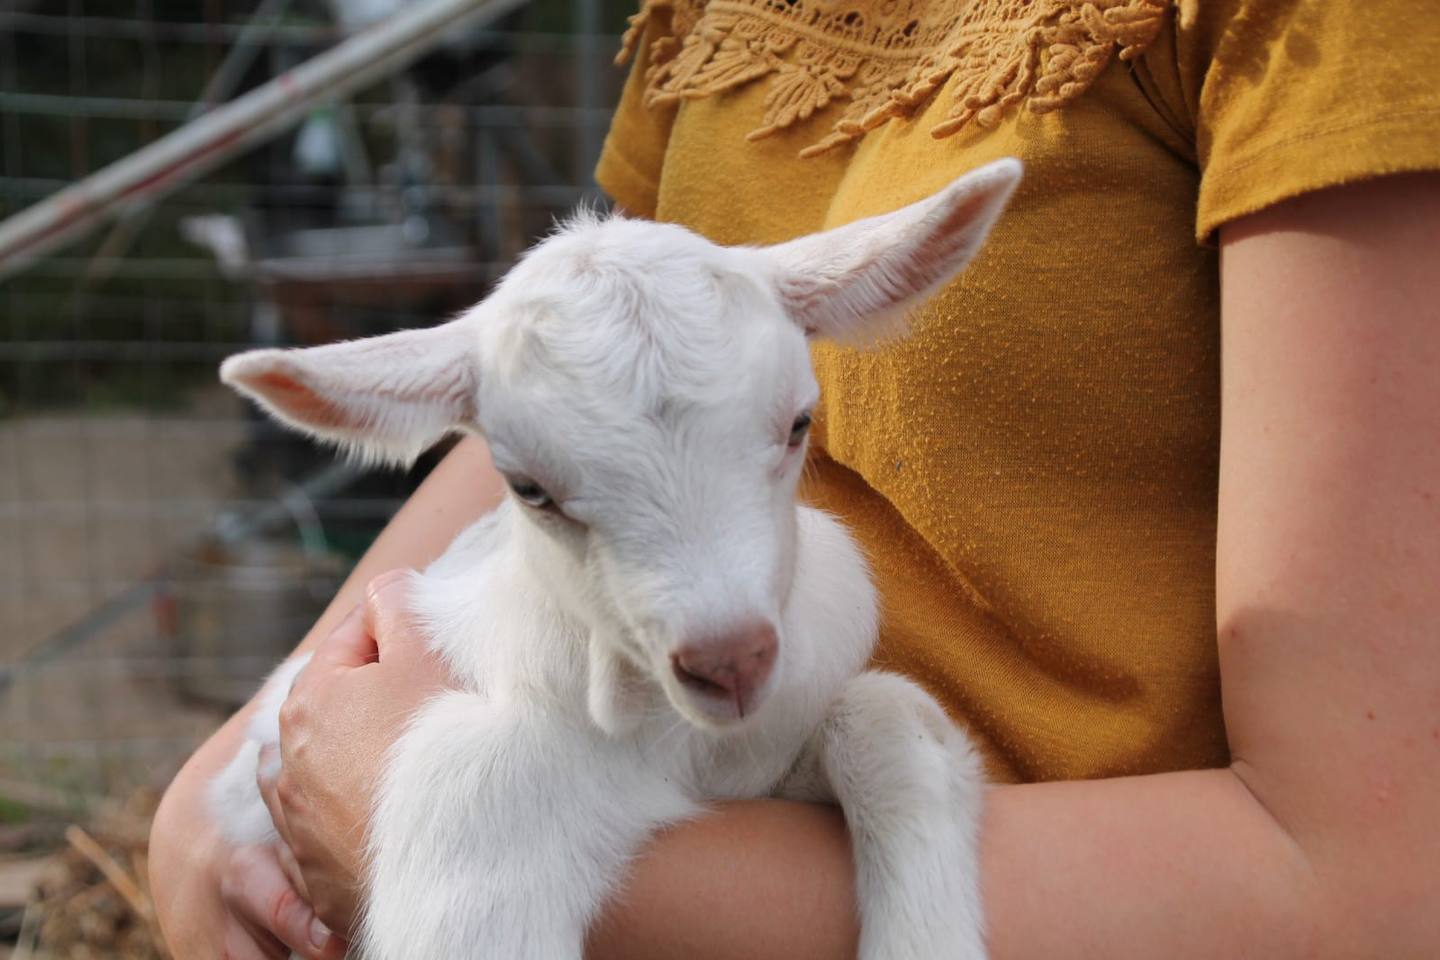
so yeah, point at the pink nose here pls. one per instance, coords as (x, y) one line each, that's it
(729, 667)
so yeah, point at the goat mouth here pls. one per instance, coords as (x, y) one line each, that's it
(722, 694)
(698, 684)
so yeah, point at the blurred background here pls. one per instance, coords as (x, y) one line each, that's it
(245, 178)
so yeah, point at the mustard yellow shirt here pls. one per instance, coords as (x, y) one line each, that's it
(1033, 471)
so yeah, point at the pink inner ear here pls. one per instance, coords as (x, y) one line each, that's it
(934, 259)
(298, 400)
(958, 229)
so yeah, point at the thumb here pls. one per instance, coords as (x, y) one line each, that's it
(353, 642)
(349, 645)
(387, 616)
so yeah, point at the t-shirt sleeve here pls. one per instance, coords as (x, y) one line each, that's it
(634, 151)
(1299, 95)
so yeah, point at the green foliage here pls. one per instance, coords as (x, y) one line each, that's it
(13, 812)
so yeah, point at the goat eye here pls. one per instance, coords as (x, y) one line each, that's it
(531, 493)
(799, 428)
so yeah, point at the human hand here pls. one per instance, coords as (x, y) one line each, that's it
(345, 710)
(213, 899)
(268, 917)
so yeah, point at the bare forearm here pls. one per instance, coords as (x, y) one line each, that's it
(759, 879)
(1176, 865)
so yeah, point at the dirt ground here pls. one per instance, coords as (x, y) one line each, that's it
(91, 505)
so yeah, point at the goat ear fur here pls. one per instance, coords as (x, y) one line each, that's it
(616, 690)
(387, 398)
(855, 283)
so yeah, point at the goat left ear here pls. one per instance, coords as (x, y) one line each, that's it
(856, 283)
(389, 398)
(616, 693)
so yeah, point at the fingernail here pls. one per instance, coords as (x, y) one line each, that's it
(319, 934)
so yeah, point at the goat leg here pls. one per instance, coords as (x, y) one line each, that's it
(912, 789)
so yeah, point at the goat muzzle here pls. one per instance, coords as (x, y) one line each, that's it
(731, 667)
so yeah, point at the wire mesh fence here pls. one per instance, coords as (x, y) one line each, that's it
(160, 544)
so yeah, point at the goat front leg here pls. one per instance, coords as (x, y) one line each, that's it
(233, 794)
(912, 790)
(499, 832)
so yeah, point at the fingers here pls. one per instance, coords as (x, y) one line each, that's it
(267, 778)
(335, 915)
(242, 943)
(291, 868)
(266, 905)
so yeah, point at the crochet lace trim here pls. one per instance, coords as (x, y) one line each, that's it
(886, 57)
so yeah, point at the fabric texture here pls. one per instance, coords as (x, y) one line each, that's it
(1033, 470)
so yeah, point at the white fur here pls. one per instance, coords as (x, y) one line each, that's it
(648, 380)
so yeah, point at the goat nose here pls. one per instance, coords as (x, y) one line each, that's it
(731, 666)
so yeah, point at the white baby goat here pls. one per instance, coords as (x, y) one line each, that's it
(650, 622)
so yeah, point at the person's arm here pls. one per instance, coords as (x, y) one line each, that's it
(1321, 839)
(199, 888)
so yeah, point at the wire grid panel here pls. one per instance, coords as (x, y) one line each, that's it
(160, 544)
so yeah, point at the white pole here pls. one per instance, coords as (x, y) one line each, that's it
(208, 141)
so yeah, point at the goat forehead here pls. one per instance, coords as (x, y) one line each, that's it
(633, 475)
(630, 342)
(631, 337)
(600, 447)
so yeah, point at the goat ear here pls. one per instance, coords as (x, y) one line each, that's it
(388, 398)
(856, 283)
(616, 696)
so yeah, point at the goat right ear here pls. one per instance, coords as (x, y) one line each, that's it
(856, 283)
(389, 398)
